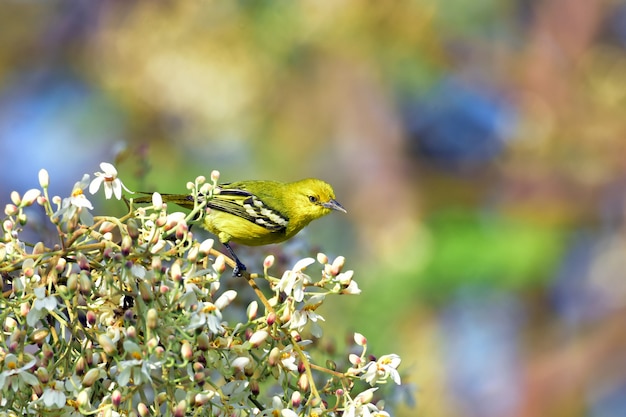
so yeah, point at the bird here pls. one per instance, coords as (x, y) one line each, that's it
(260, 212)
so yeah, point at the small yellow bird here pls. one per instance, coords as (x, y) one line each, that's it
(255, 213)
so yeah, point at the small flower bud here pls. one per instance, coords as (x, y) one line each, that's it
(145, 291)
(258, 338)
(91, 377)
(268, 262)
(39, 336)
(152, 343)
(206, 188)
(43, 375)
(83, 398)
(83, 262)
(47, 351)
(205, 246)
(37, 391)
(60, 266)
(157, 201)
(303, 382)
(30, 197)
(84, 283)
(181, 230)
(133, 229)
(28, 268)
(220, 264)
(10, 210)
(240, 363)
(143, 410)
(175, 272)
(116, 398)
(301, 367)
(192, 255)
(252, 310)
(359, 339)
(337, 265)
(271, 318)
(181, 407)
(10, 324)
(322, 258)
(39, 248)
(186, 351)
(203, 342)
(72, 282)
(202, 399)
(44, 178)
(24, 309)
(225, 299)
(296, 399)
(274, 356)
(7, 225)
(254, 387)
(161, 398)
(215, 175)
(15, 198)
(22, 219)
(152, 318)
(107, 344)
(355, 359)
(127, 244)
(106, 227)
(156, 263)
(161, 221)
(91, 317)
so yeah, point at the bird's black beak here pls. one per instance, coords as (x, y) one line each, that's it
(334, 205)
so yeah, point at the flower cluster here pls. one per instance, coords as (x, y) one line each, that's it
(131, 316)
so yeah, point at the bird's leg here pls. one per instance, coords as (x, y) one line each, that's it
(240, 268)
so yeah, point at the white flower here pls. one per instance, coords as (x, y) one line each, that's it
(41, 306)
(78, 199)
(75, 203)
(278, 409)
(299, 318)
(16, 378)
(352, 289)
(288, 359)
(383, 369)
(112, 185)
(361, 406)
(206, 314)
(293, 281)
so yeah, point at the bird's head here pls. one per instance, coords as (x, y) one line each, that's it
(314, 198)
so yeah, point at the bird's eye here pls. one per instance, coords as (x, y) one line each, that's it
(313, 199)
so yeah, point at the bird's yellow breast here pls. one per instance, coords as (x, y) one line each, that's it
(230, 228)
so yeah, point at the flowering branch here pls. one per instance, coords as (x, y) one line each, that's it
(131, 315)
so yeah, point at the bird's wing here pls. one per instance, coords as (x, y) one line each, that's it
(246, 205)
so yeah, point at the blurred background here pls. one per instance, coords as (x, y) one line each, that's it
(479, 147)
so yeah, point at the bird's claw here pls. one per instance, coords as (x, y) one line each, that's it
(239, 269)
